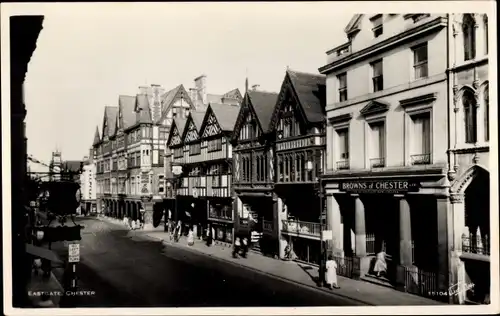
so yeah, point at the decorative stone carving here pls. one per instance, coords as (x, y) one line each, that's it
(452, 175)
(456, 198)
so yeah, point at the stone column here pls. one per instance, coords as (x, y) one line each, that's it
(148, 214)
(98, 206)
(445, 240)
(283, 215)
(457, 266)
(405, 253)
(334, 223)
(329, 147)
(360, 227)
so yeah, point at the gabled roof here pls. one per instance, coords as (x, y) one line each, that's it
(225, 114)
(126, 104)
(97, 137)
(110, 116)
(375, 106)
(171, 96)
(142, 107)
(310, 90)
(233, 94)
(179, 124)
(197, 117)
(263, 104)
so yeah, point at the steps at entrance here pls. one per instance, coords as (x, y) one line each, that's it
(383, 281)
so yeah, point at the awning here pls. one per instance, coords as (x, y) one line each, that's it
(43, 253)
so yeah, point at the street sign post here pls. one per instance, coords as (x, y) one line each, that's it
(73, 252)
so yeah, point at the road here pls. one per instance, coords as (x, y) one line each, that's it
(128, 271)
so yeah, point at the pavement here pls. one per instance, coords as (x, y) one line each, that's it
(301, 274)
(123, 268)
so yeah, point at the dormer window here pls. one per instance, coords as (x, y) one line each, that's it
(378, 27)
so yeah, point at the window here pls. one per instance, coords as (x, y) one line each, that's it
(343, 148)
(470, 114)
(161, 183)
(421, 139)
(342, 80)
(378, 77)
(215, 145)
(194, 149)
(250, 129)
(485, 20)
(377, 143)
(420, 61)
(161, 157)
(178, 152)
(486, 114)
(378, 27)
(469, 32)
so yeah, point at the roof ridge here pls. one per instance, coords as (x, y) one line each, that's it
(305, 73)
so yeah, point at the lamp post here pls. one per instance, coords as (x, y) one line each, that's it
(318, 190)
(176, 171)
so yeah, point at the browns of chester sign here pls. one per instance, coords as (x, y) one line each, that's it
(379, 186)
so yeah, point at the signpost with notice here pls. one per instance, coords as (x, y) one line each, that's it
(74, 253)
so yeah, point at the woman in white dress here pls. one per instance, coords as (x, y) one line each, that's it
(380, 263)
(190, 238)
(331, 273)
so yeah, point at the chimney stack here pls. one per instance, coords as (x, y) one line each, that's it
(143, 90)
(255, 86)
(200, 84)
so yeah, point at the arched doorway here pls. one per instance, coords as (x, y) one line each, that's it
(477, 222)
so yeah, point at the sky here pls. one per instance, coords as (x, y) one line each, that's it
(85, 58)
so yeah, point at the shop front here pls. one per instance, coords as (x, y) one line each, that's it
(403, 218)
(220, 217)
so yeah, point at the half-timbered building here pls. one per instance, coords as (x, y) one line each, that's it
(255, 203)
(298, 127)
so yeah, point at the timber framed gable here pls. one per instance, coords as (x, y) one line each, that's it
(190, 132)
(174, 139)
(210, 126)
(247, 114)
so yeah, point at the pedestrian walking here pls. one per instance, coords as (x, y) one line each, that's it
(380, 264)
(331, 273)
(209, 235)
(244, 247)
(190, 238)
(236, 247)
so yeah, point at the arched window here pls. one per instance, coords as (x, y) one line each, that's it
(470, 112)
(485, 20)
(486, 114)
(469, 32)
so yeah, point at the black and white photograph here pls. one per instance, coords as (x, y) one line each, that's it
(249, 158)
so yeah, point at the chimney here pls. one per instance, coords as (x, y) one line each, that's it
(155, 102)
(200, 84)
(143, 90)
(255, 86)
(193, 95)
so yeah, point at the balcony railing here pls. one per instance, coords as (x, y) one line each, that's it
(423, 159)
(476, 244)
(302, 228)
(377, 162)
(268, 225)
(220, 217)
(343, 164)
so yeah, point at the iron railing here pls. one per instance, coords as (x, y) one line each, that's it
(377, 162)
(423, 159)
(424, 283)
(302, 228)
(370, 244)
(343, 164)
(346, 265)
(475, 244)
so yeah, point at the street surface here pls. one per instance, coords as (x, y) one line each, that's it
(130, 271)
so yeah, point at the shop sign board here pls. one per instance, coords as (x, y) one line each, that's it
(379, 186)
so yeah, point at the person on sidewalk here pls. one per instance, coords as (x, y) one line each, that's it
(190, 238)
(244, 247)
(209, 235)
(236, 247)
(380, 264)
(331, 273)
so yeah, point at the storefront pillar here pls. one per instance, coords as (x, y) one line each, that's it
(99, 203)
(360, 226)
(445, 239)
(405, 253)
(457, 266)
(283, 215)
(334, 223)
(147, 204)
